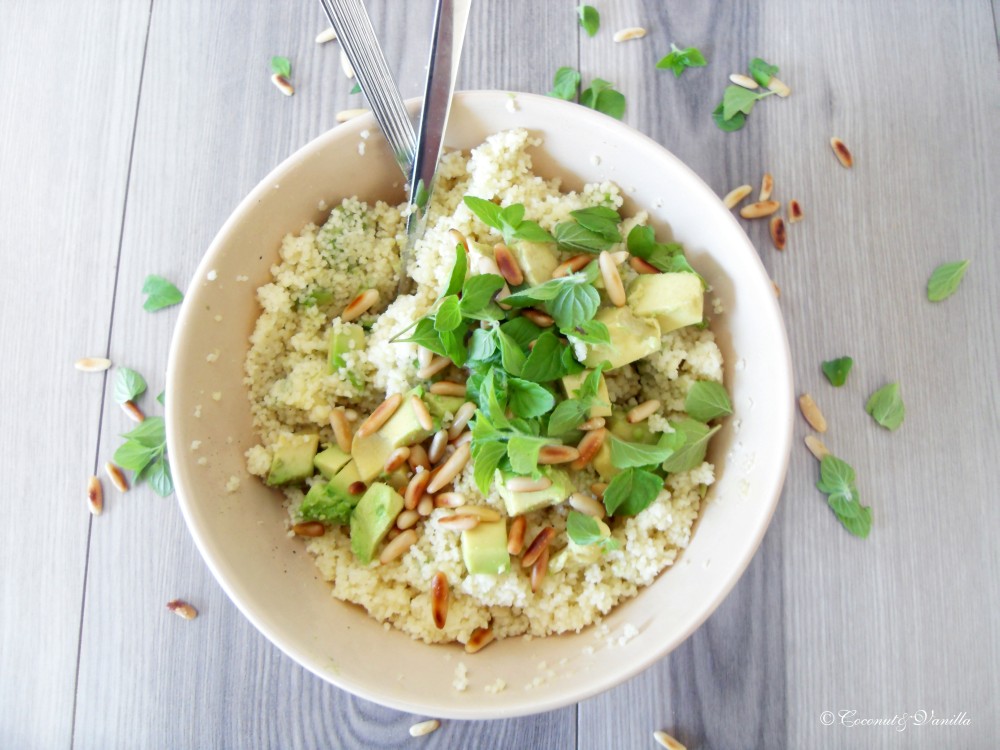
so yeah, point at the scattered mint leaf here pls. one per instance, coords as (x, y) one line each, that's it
(565, 84)
(531, 231)
(128, 385)
(355, 89)
(585, 530)
(527, 399)
(590, 19)
(600, 220)
(150, 433)
(135, 456)
(482, 345)
(549, 290)
(453, 343)
(707, 400)
(162, 398)
(736, 99)
(144, 452)
(693, 444)
(631, 492)
(734, 123)
(680, 60)
(642, 243)
(602, 96)
(159, 477)
(281, 66)
(837, 482)
(160, 293)
(626, 455)
(886, 406)
(945, 279)
(487, 211)
(762, 72)
(448, 316)
(837, 370)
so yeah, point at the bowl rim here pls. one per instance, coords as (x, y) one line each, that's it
(590, 688)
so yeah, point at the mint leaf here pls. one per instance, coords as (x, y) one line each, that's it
(159, 477)
(355, 89)
(707, 400)
(282, 67)
(590, 332)
(477, 297)
(522, 450)
(736, 99)
(608, 102)
(162, 398)
(836, 370)
(487, 211)
(734, 123)
(160, 293)
(511, 355)
(135, 456)
(150, 433)
(573, 305)
(586, 530)
(625, 455)
(642, 243)
(128, 385)
(577, 237)
(543, 363)
(486, 456)
(837, 482)
(836, 477)
(693, 442)
(631, 492)
(424, 334)
(945, 279)
(762, 72)
(886, 406)
(565, 84)
(448, 317)
(531, 231)
(590, 19)
(482, 345)
(453, 343)
(550, 289)
(527, 399)
(566, 416)
(458, 271)
(600, 220)
(680, 60)
(521, 330)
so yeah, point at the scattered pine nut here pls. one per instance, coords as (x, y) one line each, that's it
(766, 187)
(439, 601)
(598, 489)
(95, 496)
(779, 87)
(812, 413)
(426, 506)
(182, 609)
(283, 84)
(407, 519)
(309, 528)
(327, 35)
(462, 416)
(133, 411)
(760, 209)
(357, 488)
(359, 305)
(450, 500)
(116, 477)
(745, 81)
(349, 114)
(572, 265)
(418, 457)
(816, 447)
(345, 65)
(483, 513)
(794, 211)
(515, 537)
(594, 423)
(396, 459)
(92, 364)
(457, 522)
(415, 489)
(842, 152)
(422, 728)
(459, 239)
(450, 469)
(633, 32)
(480, 638)
(438, 444)
(465, 437)
(398, 546)
(612, 279)
(778, 235)
(777, 289)
(735, 195)
(667, 741)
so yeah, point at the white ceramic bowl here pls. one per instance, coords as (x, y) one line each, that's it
(272, 579)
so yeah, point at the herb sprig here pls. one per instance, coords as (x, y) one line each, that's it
(601, 95)
(945, 279)
(680, 60)
(145, 452)
(590, 19)
(837, 482)
(160, 293)
(585, 530)
(886, 407)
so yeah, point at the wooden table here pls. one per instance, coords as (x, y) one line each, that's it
(130, 131)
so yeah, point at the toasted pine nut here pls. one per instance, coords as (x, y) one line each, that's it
(812, 413)
(745, 81)
(450, 469)
(450, 500)
(641, 266)
(359, 305)
(508, 264)
(456, 522)
(612, 279)
(380, 416)
(557, 454)
(515, 537)
(426, 506)
(643, 411)
(416, 489)
(283, 84)
(760, 209)
(778, 234)
(735, 195)
(633, 32)
(327, 35)
(92, 364)
(407, 519)
(539, 569)
(527, 484)
(396, 459)
(182, 609)
(95, 496)
(572, 265)
(766, 187)
(537, 317)
(398, 546)
(133, 411)
(667, 741)
(356, 488)
(439, 599)
(438, 444)
(424, 356)
(540, 542)
(418, 457)
(594, 423)
(777, 289)
(345, 65)
(421, 412)
(482, 512)
(309, 528)
(843, 153)
(598, 489)
(392, 534)
(422, 728)
(349, 114)
(586, 505)
(465, 437)
(116, 477)
(437, 365)
(619, 256)
(779, 87)
(341, 429)
(817, 447)
(480, 638)
(462, 417)
(447, 388)
(794, 211)
(588, 447)
(459, 239)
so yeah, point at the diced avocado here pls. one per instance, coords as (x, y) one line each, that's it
(632, 338)
(674, 299)
(327, 503)
(293, 459)
(345, 478)
(372, 518)
(602, 462)
(438, 406)
(484, 548)
(574, 382)
(575, 555)
(403, 428)
(622, 429)
(397, 479)
(330, 461)
(350, 337)
(370, 454)
(537, 260)
(525, 502)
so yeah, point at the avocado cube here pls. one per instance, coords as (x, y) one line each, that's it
(632, 338)
(537, 260)
(330, 461)
(345, 478)
(372, 518)
(674, 299)
(327, 503)
(573, 383)
(292, 461)
(484, 548)
(348, 337)
(622, 429)
(438, 406)
(403, 428)
(603, 465)
(525, 502)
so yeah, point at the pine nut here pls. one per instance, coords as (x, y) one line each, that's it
(612, 279)
(447, 388)
(619, 256)
(779, 87)
(794, 211)
(359, 305)
(465, 437)
(641, 266)
(95, 496)
(424, 356)
(817, 447)
(345, 65)
(778, 234)
(283, 84)
(588, 447)
(437, 365)
(760, 209)
(766, 187)
(643, 411)
(594, 423)
(418, 457)
(357, 488)
(439, 599)
(416, 489)
(450, 500)
(484, 514)
(462, 417)
(459, 239)
(420, 410)
(537, 317)
(633, 32)
(667, 741)
(407, 519)
(557, 454)
(351, 414)
(735, 195)
(515, 537)
(309, 528)
(843, 153)
(182, 609)
(458, 522)
(398, 546)
(598, 489)
(508, 265)
(527, 484)
(539, 543)
(116, 477)
(450, 469)
(327, 35)
(745, 81)
(380, 416)
(349, 114)
(392, 534)
(426, 506)
(572, 265)
(341, 429)
(92, 364)
(539, 569)
(133, 411)
(422, 728)
(812, 413)
(586, 505)
(396, 459)
(777, 290)
(480, 638)
(438, 444)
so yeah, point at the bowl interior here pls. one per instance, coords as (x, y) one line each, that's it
(272, 579)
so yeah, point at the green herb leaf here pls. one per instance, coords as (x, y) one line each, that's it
(522, 450)
(573, 305)
(836, 476)
(150, 433)
(600, 220)
(576, 236)
(458, 271)
(543, 363)
(886, 406)
(625, 455)
(607, 100)
(511, 355)
(551, 289)
(837, 482)
(945, 280)
(521, 330)
(160, 293)
(128, 385)
(566, 416)
(631, 492)
(486, 455)
(642, 243)
(565, 84)
(737, 99)
(482, 345)
(707, 400)
(527, 399)
(590, 332)
(448, 317)
(836, 370)
(453, 343)
(426, 335)
(355, 89)
(680, 60)
(512, 215)
(531, 231)
(135, 456)
(281, 66)
(478, 292)
(159, 477)
(315, 296)
(585, 530)
(162, 398)
(590, 19)
(736, 122)
(691, 445)
(487, 211)
(762, 72)
(854, 516)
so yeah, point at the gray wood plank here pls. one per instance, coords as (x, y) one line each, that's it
(209, 127)
(72, 75)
